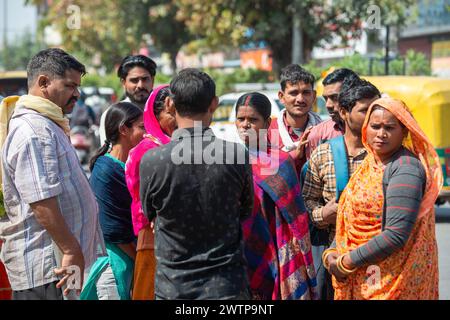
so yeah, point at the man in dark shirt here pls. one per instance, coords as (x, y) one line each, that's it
(197, 188)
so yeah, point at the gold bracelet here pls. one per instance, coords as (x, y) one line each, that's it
(325, 255)
(342, 268)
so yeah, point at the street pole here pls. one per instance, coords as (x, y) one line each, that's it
(5, 34)
(386, 57)
(297, 39)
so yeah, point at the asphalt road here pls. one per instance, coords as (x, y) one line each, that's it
(443, 239)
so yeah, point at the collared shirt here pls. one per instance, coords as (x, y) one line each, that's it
(274, 137)
(321, 133)
(320, 182)
(199, 188)
(39, 163)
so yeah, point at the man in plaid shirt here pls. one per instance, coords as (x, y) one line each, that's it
(319, 189)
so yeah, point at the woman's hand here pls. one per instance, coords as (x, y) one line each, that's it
(333, 269)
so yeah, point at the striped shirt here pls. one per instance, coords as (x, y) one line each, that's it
(320, 182)
(39, 163)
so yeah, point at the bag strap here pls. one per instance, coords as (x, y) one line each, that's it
(340, 164)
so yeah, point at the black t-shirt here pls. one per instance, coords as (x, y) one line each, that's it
(198, 201)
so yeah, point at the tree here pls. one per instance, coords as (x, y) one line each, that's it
(238, 21)
(169, 31)
(19, 52)
(111, 30)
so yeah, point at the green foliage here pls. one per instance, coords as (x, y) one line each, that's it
(17, 54)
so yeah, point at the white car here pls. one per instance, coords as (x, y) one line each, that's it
(223, 119)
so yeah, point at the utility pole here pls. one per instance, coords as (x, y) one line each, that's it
(5, 35)
(297, 39)
(386, 56)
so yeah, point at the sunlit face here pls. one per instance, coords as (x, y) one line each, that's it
(331, 94)
(248, 123)
(385, 134)
(63, 91)
(298, 98)
(355, 119)
(138, 85)
(135, 134)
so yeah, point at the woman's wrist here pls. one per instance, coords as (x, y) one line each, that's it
(347, 262)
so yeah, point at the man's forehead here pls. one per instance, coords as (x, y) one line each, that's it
(332, 88)
(138, 72)
(298, 85)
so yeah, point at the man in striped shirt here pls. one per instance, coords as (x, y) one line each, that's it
(51, 232)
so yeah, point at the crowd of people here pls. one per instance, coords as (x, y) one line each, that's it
(302, 209)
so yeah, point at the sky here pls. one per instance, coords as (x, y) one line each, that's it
(19, 18)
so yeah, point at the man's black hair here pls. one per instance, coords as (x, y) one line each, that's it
(53, 63)
(293, 74)
(192, 92)
(354, 91)
(339, 75)
(129, 62)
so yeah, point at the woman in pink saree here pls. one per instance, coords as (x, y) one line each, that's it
(159, 124)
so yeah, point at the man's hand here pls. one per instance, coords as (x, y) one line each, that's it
(329, 212)
(72, 258)
(299, 151)
(67, 250)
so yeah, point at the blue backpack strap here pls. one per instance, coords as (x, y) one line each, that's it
(340, 164)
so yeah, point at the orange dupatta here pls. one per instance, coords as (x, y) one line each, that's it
(412, 272)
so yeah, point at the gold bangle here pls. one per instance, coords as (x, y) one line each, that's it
(325, 255)
(342, 268)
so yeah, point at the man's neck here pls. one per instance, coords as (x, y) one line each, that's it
(297, 122)
(194, 121)
(353, 142)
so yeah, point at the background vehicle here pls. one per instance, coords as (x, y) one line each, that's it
(13, 83)
(428, 98)
(223, 119)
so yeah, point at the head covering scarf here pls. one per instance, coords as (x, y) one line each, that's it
(276, 235)
(416, 142)
(155, 137)
(412, 271)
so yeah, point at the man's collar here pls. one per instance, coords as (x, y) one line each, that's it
(191, 132)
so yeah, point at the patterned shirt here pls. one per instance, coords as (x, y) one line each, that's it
(39, 163)
(320, 182)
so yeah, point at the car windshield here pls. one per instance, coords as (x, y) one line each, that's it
(224, 110)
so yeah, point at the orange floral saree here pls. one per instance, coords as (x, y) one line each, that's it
(412, 272)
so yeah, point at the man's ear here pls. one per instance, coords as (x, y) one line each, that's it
(43, 81)
(213, 105)
(122, 82)
(342, 113)
(280, 95)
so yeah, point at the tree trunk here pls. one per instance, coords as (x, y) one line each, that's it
(297, 39)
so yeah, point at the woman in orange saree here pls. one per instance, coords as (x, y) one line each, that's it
(385, 246)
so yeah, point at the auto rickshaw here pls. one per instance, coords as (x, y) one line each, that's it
(429, 101)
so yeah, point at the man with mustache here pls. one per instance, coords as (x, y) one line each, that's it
(292, 127)
(51, 231)
(335, 126)
(137, 75)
